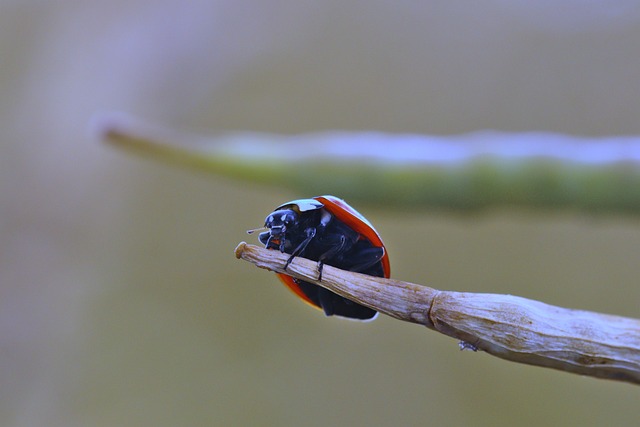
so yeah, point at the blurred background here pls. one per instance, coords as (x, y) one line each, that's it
(121, 302)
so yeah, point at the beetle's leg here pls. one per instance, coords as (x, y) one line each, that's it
(265, 238)
(335, 249)
(320, 265)
(311, 233)
(267, 243)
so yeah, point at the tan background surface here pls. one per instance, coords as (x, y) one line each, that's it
(120, 300)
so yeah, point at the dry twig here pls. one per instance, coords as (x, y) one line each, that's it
(510, 327)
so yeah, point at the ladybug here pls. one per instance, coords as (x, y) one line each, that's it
(326, 229)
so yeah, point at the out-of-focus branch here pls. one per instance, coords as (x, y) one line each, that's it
(530, 170)
(510, 327)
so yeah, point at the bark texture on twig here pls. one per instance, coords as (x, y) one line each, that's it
(506, 326)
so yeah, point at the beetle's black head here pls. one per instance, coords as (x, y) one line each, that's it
(278, 223)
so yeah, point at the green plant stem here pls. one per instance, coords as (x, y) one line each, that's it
(465, 172)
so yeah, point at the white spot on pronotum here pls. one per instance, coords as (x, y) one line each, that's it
(326, 217)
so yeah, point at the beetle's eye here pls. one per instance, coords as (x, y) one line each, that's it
(280, 219)
(288, 218)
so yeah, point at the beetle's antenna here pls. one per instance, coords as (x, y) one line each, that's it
(253, 230)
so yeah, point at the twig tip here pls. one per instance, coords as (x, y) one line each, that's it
(239, 250)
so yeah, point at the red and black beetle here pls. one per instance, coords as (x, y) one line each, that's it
(326, 229)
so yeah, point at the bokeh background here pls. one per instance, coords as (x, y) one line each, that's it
(121, 302)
